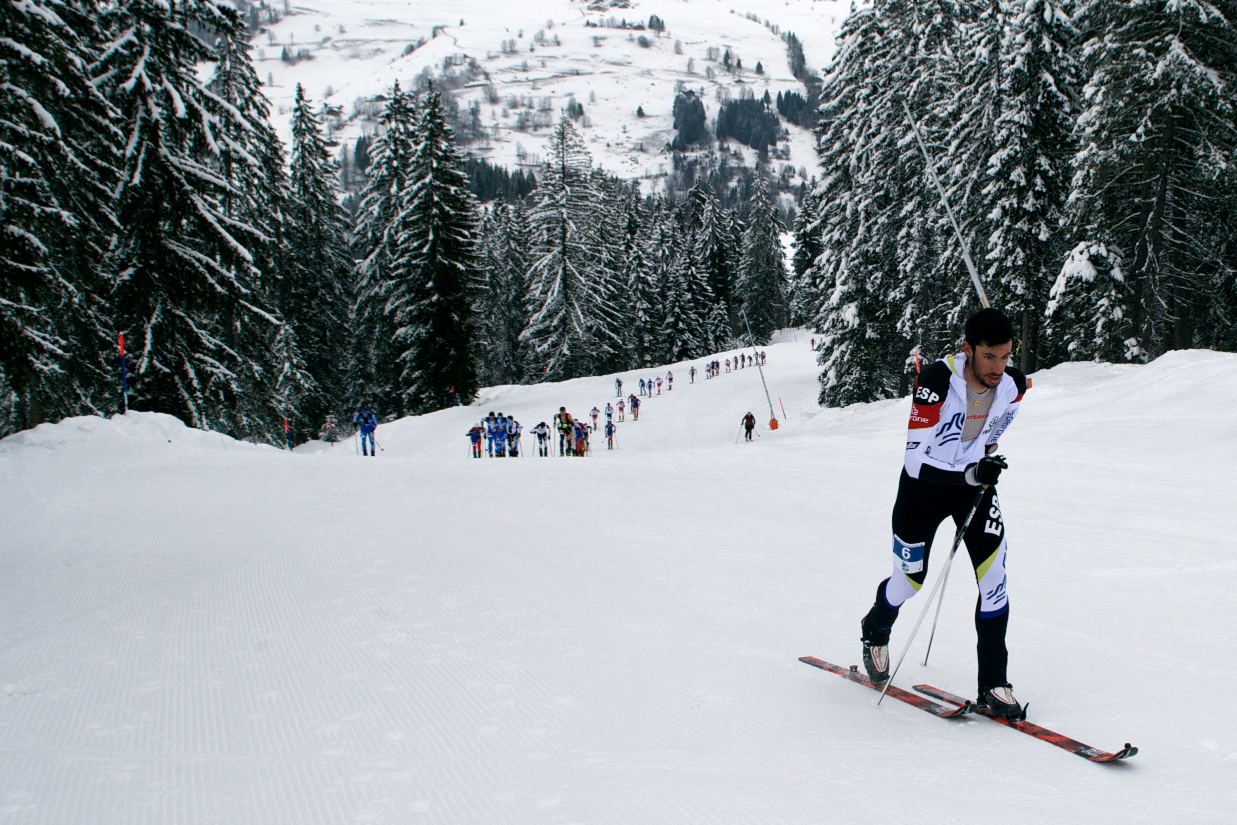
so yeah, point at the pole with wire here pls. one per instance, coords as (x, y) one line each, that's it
(752, 338)
(966, 255)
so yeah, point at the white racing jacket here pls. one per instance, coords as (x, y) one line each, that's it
(934, 448)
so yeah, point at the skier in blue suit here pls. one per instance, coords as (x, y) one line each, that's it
(368, 422)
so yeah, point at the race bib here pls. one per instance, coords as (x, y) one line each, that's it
(909, 557)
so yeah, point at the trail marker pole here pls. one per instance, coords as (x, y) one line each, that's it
(124, 378)
(752, 338)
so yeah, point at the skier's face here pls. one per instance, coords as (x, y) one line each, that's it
(987, 363)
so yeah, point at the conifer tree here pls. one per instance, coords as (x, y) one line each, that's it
(313, 294)
(373, 368)
(58, 151)
(807, 248)
(762, 281)
(435, 265)
(186, 289)
(568, 314)
(1155, 142)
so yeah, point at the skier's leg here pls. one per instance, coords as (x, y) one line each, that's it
(986, 545)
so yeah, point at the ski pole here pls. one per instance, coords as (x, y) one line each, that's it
(936, 618)
(944, 575)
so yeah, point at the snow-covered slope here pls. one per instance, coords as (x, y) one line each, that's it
(540, 53)
(196, 630)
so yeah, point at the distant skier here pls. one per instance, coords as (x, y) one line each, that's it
(498, 435)
(368, 422)
(622, 406)
(543, 439)
(618, 387)
(580, 436)
(474, 436)
(962, 404)
(328, 430)
(513, 437)
(691, 375)
(749, 424)
(489, 422)
(813, 344)
(610, 428)
(563, 423)
(642, 386)
(742, 360)
(609, 412)
(635, 408)
(659, 385)
(669, 381)
(727, 365)
(594, 412)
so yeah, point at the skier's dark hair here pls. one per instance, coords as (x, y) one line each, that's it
(988, 327)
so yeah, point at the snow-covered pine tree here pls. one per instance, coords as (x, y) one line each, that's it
(614, 306)
(804, 296)
(313, 291)
(58, 151)
(715, 255)
(1156, 139)
(566, 304)
(682, 333)
(762, 274)
(186, 290)
(374, 372)
(1028, 172)
(640, 329)
(858, 261)
(1087, 311)
(435, 266)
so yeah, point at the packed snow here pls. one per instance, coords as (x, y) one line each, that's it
(540, 55)
(194, 629)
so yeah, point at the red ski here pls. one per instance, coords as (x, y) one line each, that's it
(1071, 745)
(852, 673)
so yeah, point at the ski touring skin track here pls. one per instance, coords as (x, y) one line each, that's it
(1071, 745)
(852, 673)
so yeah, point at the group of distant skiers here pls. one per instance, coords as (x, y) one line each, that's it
(501, 434)
(741, 361)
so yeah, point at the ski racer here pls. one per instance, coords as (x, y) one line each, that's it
(642, 386)
(669, 381)
(618, 387)
(691, 375)
(562, 423)
(658, 384)
(498, 436)
(749, 424)
(962, 405)
(594, 413)
(609, 412)
(635, 408)
(474, 436)
(622, 407)
(610, 428)
(368, 422)
(543, 439)
(513, 437)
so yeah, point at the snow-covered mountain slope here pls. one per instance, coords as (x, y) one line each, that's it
(196, 630)
(538, 55)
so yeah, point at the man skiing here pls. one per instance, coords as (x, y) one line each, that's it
(562, 423)
(609, 412)
(635, 408)
(658, 385)
(618, 387)
(610, 428)
(594, 412)
(543, 439)
(749, 424)
(961, 406)
(622, 407)
(513, 437)
(669, 381)
(642, 386)
(691, 375)
(368, 422)
(498, 435)
(474, 436)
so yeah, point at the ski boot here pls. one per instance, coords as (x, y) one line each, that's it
(876, 662)
(999, 701)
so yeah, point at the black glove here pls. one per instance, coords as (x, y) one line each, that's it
(987, 471)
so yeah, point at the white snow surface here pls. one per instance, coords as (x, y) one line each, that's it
(357, 52)
(197, 630)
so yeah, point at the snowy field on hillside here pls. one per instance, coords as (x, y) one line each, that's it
(540, 54)
(196, 630)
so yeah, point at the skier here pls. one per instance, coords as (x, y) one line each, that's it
(543, 439)
(727, 365)
(813, 344)
(368, 422)
(742, 360)
(594, 412)
(498, 434)
(961, 406)
(513, 437)
(635, 408)
(563, 422)
(659, 385)
(691, 375)
(622, 406)
(610, 412)
(749, 424)
(642, 386)
(618, 387)
(474, 435)
(489, 422)
(610, 428)
(580, 437)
